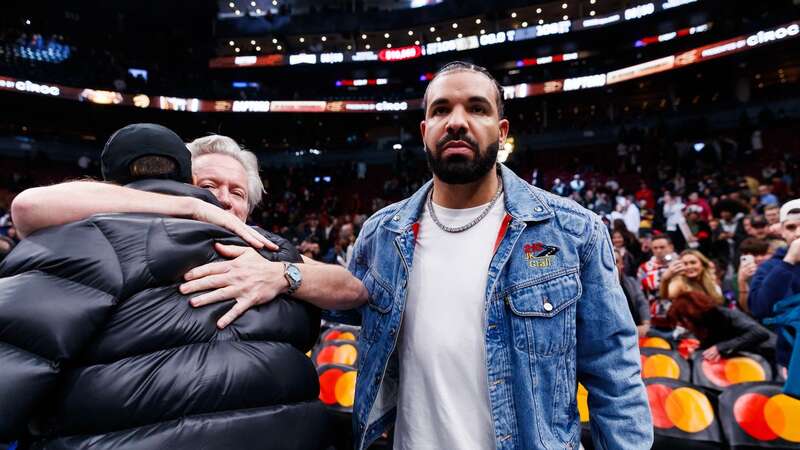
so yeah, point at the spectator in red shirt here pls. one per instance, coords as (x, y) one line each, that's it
(705, 208)
(646, 194)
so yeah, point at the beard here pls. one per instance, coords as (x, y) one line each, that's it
(458, 169)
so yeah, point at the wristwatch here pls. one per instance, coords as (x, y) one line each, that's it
(293, 275)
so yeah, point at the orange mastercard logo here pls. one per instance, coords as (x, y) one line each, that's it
(684, 408)
(768, 418)
(337, 354)
(345, 354)
(338, 335)
(726, 372)
(347, 336)
(660, 366)
(583, 403)
(337, 387)
(655, 342)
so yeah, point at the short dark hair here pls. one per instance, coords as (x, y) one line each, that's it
(663, 237)
(152, 166)
(753, 246)
(462, 66)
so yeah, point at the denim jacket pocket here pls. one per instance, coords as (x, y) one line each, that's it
(381, 295)
(544, 312)
(379, 304)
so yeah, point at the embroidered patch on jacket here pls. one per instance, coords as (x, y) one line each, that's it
(539, 255)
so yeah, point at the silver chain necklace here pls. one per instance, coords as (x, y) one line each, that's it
(471, 223)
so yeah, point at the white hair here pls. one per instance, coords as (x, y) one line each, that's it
(223, 145)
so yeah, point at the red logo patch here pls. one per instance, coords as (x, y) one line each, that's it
(536, 247)
(539, 254)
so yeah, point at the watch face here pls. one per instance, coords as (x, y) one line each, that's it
(294, 272)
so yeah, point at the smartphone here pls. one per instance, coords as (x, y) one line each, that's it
(746, 258)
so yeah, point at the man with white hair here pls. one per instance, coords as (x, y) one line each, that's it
(231, 174)
(221, 166)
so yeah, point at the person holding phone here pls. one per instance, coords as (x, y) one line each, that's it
(753, 253)
(650, 274)
(693, 271)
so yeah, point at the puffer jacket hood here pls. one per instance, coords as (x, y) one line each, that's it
(100, 350)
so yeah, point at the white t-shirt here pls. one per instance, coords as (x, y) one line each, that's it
(444, 398)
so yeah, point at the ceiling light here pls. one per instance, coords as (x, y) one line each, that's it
(432, 29)
(252, 42)
(237, 12)
(410, 33)
(252, 3)
(592, 13)
(236, 49)
(364, 36)
(563, 6)
(477, 21)
(258, 48)
(274, 41)
(566, 17)
(323, 38)
(538, 10)
(274, 2)
(416, 42)
(231, 4)
(438, 39)
(460, 35)
(524, 24)
(230, 43)
(302, 39)
(513, 15)
(455, 25)
(367, 46)
(258, 10)
(592, 2)
(349, 47)
(386, 35)
(388, 45)
(279, 47)
(483, 31)
(541, 21)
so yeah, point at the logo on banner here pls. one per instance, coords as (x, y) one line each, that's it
(539, 255)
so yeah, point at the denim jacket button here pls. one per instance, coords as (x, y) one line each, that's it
(548, 306)
(396, 217)
(538, 209)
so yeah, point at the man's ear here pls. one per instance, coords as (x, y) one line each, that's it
(422, 129)
(504, 125)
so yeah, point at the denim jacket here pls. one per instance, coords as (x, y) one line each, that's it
(554, 315)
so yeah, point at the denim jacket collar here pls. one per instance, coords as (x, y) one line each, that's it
(521, 202)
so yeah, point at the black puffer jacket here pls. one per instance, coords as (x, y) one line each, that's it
(99, 350)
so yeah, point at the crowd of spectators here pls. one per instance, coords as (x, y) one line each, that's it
(708, 255)
(701, 250)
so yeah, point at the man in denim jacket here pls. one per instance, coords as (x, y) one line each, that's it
(489, 301)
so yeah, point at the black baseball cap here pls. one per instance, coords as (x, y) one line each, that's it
(129, 143)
